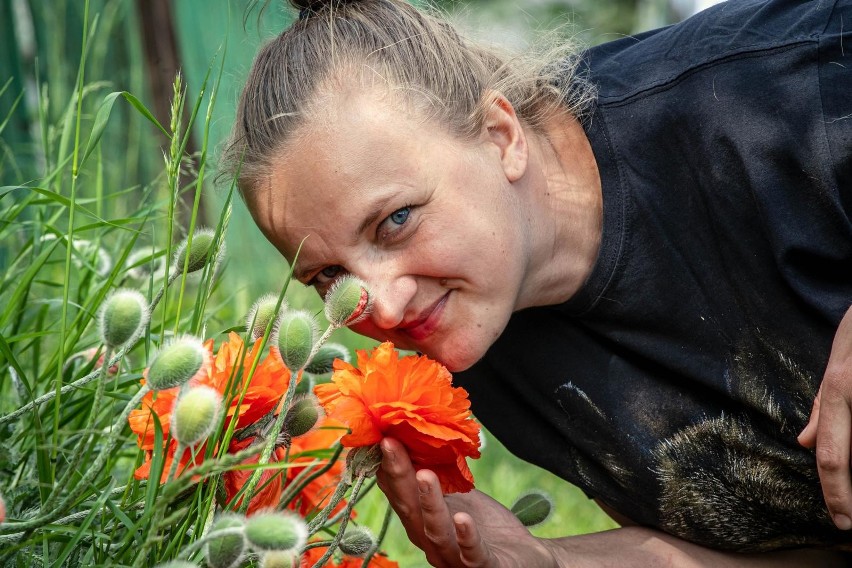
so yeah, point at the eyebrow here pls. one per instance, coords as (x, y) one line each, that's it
(376, 210)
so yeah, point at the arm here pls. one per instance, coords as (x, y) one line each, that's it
(473, 530)
(830, 427)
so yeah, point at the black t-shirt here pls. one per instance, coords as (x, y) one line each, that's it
(673, 385)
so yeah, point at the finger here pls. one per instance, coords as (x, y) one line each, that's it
(472, 549)
(808, 436)
(437, 522)
(396, 479)
(832, 454)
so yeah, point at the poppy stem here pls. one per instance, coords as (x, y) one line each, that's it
(379, 538)
(317, 522)
(269, 444)
(342, 529)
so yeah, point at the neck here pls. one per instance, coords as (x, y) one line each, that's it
(567, 213)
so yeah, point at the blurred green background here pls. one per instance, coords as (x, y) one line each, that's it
(138, 46)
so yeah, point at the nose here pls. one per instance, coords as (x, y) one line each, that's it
(390, 297)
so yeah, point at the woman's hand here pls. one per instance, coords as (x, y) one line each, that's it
(830, 427)
(465, 529)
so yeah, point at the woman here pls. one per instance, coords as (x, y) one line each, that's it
(636, 261)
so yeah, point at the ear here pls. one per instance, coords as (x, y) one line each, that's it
(503, 129)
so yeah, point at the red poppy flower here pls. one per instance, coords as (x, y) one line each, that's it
(378, 560)
(266, 387)
(412, 400)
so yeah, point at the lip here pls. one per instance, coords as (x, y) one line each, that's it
(428, 320)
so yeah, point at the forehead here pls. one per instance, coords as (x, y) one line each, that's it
(363, 149)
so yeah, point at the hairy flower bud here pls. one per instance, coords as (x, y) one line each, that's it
(364, 460)
(262, 312)
(200, 251)
(272, 531)
(303, 415)
(177, 363)
(177, 564)
(357, 541)
(280, 559)
(325, 356)
(123, 317)
(347, 301)
(532, 508)
(296, 336)
(195, 414)
(226, 551)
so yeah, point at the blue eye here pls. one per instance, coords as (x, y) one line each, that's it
(400, 215)
(330, 271)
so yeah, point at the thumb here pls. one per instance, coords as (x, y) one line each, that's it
(808, 436)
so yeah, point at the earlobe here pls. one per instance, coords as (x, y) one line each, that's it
(503, 129)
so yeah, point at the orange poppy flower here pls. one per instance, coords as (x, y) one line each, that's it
(412, 400)
(268, 384)
(378, 560)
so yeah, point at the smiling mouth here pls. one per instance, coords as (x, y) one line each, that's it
(427, 322)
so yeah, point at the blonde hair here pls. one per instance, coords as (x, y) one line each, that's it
(415, 52)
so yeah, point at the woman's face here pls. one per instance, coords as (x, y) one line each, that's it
(432, 224)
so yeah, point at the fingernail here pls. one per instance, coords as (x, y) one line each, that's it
(424, 488)
(843, 522)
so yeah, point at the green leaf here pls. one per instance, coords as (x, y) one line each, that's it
(102, 117)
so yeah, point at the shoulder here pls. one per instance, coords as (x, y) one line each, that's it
(732, 30)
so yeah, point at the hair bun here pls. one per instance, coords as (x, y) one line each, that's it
(313, 6)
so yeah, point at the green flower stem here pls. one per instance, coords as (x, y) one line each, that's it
(90, 426)
(323, 338)
(317, 522)
(306, 476)
(317, 544)
(342, 529)
(269, 444)
(355, 500)
(173, 467)
(230, 531)
(379, 538)
(95, 469)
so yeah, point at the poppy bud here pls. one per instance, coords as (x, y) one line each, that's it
(123, 317)
(195, 415)
(357, 541)
(177, 363)
(177, 564)
(274, 531)
(200, 251)
(303, 415)
(296, 336)
(325, 356)
(364, 460)
(347, 301)
(533, 508)
(225, 551)
(280, 559)
(261, 313)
